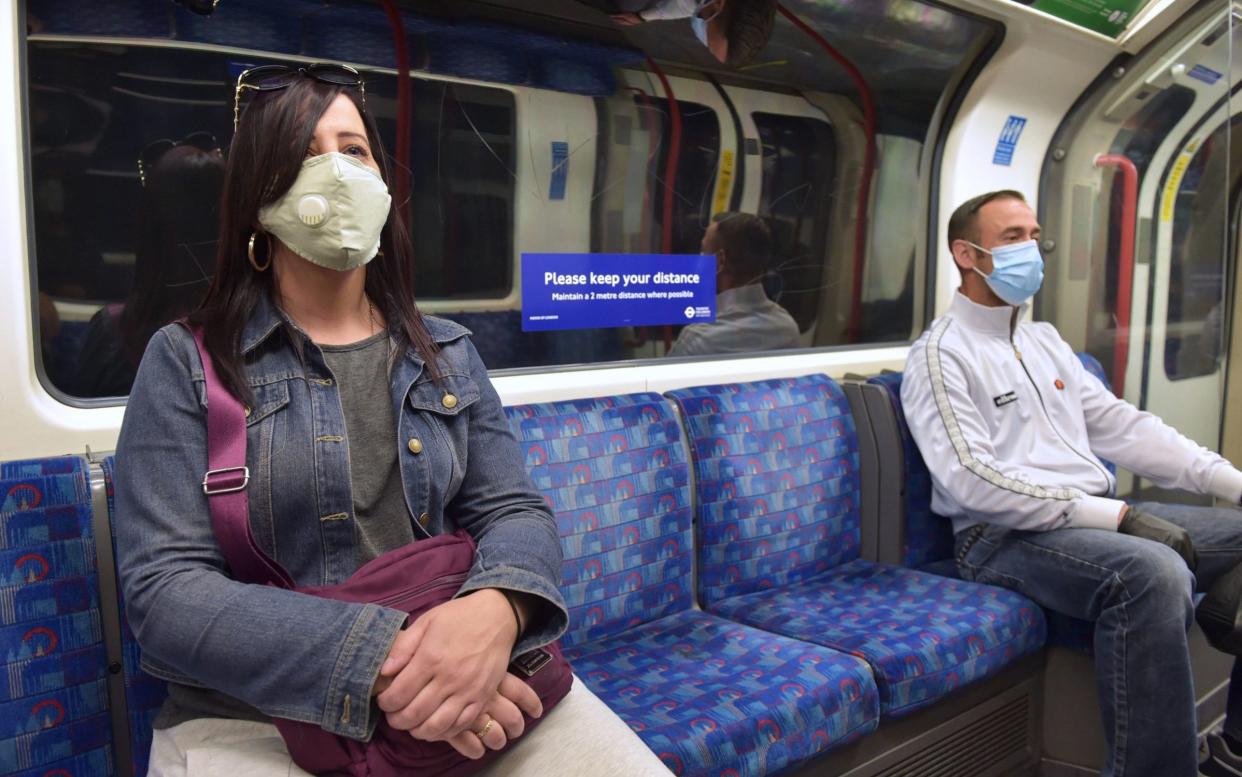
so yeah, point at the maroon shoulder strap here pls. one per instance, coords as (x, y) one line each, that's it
(227, 478)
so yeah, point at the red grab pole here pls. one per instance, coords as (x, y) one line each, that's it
(1125, 269)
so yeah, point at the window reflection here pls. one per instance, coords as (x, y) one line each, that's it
(798, 185)
(490, 98)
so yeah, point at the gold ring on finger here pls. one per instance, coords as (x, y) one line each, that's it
(486, 729)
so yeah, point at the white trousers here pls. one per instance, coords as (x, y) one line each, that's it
(581, 737)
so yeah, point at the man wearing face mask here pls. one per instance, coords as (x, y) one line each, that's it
(1013, 430)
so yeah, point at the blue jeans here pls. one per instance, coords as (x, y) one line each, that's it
(1139, 594)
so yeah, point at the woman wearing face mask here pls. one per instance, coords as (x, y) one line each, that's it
(369, 427)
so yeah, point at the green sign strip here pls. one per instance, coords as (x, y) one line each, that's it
(1109, 17)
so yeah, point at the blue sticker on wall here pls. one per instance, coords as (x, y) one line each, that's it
(1205, 74)
(560, 170)
(589, 291)
(1008, 140)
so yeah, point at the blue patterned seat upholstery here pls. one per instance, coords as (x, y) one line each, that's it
(711, 696)
(616, 474)
(53, 690)
(144, 694)
(923, 635)
(776, 468)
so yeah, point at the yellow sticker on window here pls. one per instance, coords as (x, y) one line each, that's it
(724, 183)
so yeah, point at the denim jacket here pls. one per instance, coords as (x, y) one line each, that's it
(288, 654)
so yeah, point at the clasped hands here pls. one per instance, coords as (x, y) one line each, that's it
(445, 677)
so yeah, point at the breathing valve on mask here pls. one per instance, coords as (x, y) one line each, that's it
(313, 209)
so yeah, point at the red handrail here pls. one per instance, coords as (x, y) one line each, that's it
(1125, 268)
(401, 186)
(852, 332)
(670, 174)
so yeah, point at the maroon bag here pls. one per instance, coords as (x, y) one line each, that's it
(413, 578)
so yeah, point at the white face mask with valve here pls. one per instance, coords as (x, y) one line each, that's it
(333, 213)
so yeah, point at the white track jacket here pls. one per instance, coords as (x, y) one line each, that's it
(1012, 426)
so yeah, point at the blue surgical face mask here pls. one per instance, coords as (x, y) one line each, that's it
(1017, 271)
(699, 25)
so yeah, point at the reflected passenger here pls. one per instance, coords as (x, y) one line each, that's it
(734, 31)
(746, 320)
(180, 215)
(1013, 430)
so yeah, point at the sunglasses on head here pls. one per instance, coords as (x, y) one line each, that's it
(266, 78)
(153, 151)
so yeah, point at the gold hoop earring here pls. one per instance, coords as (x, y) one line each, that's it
(250, 252)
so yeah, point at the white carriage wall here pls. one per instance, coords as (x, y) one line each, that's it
(1042, 67)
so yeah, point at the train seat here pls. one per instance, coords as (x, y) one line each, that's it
(54, 687)
(144, 694)
(705, 693)
(926, 539)
(776, 467)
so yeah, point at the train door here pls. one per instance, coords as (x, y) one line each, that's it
(1183, 371)
(1134, 205)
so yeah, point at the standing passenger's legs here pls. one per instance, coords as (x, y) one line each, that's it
(1138, 593)
(1217, 534)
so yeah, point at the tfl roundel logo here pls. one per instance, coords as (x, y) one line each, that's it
(32, 567)
(24, 496)
(49, 713)
(689, 311)
(42, 639)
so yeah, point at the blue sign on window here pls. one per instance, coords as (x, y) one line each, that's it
(1008, 141)
(588, 291)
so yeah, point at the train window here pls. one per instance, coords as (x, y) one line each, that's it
(1139, 140)
(697, 162)
(799, 179)
(629, 203)
(119, 256)
(461, 208)
(539, 128)
(1196, 289)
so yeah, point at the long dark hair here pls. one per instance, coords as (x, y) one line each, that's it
(180, 216)
(264, 160)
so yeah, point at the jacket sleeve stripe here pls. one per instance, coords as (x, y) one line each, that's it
(958, 439)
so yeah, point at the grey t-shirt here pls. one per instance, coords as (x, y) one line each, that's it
(381, 518)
